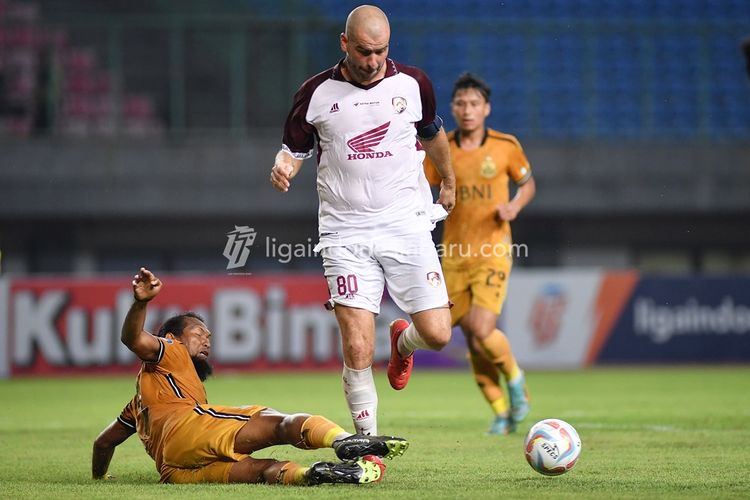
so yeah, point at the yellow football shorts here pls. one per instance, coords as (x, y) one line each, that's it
(480, 282)
(199, 448)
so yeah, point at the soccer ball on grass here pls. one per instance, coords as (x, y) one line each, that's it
(552, 447)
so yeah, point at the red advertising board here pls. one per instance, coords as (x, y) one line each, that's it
(63, 325)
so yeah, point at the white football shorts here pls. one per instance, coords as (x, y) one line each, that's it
(408, 265)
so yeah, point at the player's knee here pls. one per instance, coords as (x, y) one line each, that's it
(475, 328)
(437, 337)
(290, 427)
(482, 380)
(444, 337)
(434, 327)
(359, 350)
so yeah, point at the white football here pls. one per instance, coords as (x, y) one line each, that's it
(552, 447)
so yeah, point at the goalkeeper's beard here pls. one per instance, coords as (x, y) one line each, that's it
(203, 368)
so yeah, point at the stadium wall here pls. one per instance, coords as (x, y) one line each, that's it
(555, 319)
(96, 179)
(67, 206)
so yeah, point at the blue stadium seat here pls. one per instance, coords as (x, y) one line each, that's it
(739, 10)
(554, 80)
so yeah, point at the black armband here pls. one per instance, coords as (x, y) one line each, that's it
(431, 129)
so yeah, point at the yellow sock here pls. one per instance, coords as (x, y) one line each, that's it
(515, 372)
(291, 474)
(500, 406)
(319, 432)
(497, 349)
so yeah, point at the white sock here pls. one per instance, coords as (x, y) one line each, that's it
(410, 340)
(362, 398)
(341, 436)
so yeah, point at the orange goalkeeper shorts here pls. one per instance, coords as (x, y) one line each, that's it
(199, 447)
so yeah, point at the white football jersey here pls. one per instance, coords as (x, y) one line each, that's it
(370, 176)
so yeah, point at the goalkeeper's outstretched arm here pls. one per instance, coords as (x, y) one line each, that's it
(104, 447)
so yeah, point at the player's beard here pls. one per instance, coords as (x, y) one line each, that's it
(203, 368)
(366, 74)
(360, 74)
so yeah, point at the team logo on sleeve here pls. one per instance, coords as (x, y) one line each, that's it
(399, 104)
(363, 144)
(434, 278)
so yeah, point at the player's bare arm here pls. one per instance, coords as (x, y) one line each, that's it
(104, 447)
(525, 193)
(146, 286)
(285, 167)
(438, 150)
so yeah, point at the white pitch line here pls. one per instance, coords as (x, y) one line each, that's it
(629, 427)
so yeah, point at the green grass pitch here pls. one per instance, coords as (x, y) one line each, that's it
(647, 433)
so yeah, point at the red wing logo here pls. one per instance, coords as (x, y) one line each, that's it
(363, 143)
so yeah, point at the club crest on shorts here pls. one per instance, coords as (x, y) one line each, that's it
(434, 279)
(399, 104)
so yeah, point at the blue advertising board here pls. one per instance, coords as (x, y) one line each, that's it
(692, 319)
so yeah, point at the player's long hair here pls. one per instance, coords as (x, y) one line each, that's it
(175, 325)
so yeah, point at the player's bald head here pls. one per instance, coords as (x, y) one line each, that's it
(365, 43)
(369, 21)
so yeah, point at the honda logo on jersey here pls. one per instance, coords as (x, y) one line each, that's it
(363, 144)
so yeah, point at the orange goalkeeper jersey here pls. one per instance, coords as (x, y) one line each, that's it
(482, 177)
(166, 390)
